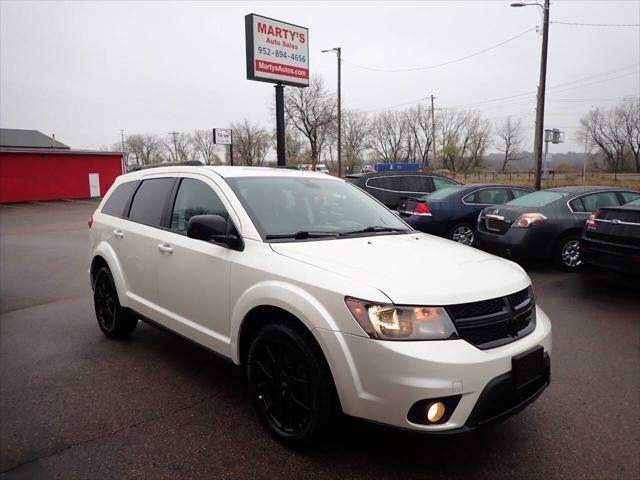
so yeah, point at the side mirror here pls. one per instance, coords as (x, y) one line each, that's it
(215, 229)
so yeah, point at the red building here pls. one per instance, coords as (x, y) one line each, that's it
(36, 167)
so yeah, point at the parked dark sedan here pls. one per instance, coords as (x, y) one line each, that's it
(389, 186)
(545, 224)
(611, 238)
(452, 212)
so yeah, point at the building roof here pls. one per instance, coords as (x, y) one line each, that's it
(57, 151)
(12, 137)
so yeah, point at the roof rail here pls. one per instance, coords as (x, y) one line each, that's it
(189, 163)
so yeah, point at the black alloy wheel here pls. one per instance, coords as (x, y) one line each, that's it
(114, 321)
(288, 385)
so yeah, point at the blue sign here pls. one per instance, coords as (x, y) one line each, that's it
(401, 167)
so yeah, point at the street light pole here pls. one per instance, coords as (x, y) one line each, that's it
(539, 133)
(338, 52)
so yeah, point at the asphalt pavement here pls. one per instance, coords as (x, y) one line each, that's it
(76, 405)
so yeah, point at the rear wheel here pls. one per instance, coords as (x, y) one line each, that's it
(289, 385)
(114, 321)
(462, 233)
(567, 254)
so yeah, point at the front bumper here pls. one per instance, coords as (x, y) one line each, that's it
(381, 380)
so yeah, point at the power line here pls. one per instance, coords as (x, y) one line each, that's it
(599, 24)
(558, 87)
(527, 96)
(428, 67)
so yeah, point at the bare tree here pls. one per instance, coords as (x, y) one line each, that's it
(355, 133)
(388, 137)
(603, 130)
(509, 141)
(146, 149)
(311, 110)
(419, 140)
(628, 113)
(203, 145)
(251, 143)
(464, 137)
(178, 147)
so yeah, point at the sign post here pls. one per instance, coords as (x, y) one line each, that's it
(224, 136)
(277, 52)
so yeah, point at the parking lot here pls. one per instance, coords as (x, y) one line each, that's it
(76, 405)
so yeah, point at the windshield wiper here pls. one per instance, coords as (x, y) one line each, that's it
(302, 235)
(376, 229)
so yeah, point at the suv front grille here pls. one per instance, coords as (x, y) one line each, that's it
(495, 322)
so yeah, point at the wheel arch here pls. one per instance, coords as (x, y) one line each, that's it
(104, 255)
(267, 314)
(273, 297)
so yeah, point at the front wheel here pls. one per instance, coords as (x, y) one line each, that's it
(567, 254)
(289, 385)
(462, 233)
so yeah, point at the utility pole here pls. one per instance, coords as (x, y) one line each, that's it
(124, 155)
(280, 136)
(339, 53)
(537, 149)
(175, 145)
(433, 132)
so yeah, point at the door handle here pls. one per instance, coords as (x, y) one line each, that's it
(118, 233)
(165, 248)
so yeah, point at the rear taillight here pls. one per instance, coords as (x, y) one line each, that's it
(421, 208)
(90, 222)
(591, 222)
(527, 219)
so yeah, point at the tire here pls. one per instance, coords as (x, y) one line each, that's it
(289, 385)
(567, 254)
(462, 233)
(114, 320)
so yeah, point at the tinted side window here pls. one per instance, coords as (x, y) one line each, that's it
(577, 205)
(597, 200)
(416, 184)
(194, 198)
(489, 196)
(517, 192)
(629, 196)
(148, 204)
(385, 183)
(439, 182)
(119, 199)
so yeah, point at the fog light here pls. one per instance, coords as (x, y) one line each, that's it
(435, 412)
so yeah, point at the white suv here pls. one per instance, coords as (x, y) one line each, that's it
(327, 298)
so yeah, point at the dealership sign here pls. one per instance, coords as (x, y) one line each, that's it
(277, 52)
(222, 136)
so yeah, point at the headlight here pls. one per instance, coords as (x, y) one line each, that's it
(390, 322)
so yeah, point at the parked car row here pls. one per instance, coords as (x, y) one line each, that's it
(452, 212)
(516, 222)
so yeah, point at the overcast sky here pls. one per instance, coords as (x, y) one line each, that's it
(85, 70)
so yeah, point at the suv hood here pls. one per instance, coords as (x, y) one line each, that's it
(417, 268)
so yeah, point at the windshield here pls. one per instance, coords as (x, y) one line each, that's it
(297, 208)
(439, 194)
(634, 202)
(537, 199)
